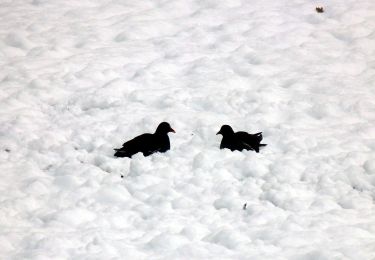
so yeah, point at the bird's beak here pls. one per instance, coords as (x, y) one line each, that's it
(173, 131)
(218, 133)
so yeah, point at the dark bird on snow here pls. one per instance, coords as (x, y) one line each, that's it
(239, 140)
(319, 9)
(147, 143)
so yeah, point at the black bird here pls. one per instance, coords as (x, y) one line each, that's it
(147, 143)
(239, 140)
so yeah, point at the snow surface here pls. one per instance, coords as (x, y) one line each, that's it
(78, 78)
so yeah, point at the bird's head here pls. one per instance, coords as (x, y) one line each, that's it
(164, 128)
(225, 130)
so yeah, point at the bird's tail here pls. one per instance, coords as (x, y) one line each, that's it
(121, 153)
(256, 148)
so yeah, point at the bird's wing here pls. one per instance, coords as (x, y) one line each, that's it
(133, 146)
(247, 146)
(250, 138)
(137, 141)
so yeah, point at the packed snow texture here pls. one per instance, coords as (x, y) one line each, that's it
(79, 78)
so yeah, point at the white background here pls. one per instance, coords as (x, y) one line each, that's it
(78, 78)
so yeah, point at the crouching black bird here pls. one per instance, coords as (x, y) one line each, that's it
(239, 140)
(147, 143)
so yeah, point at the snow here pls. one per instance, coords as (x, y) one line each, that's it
(79, 78)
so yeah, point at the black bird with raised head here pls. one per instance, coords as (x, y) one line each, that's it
(239, 140)
(147, 143)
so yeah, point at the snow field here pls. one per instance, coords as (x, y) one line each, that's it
(79, 78)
